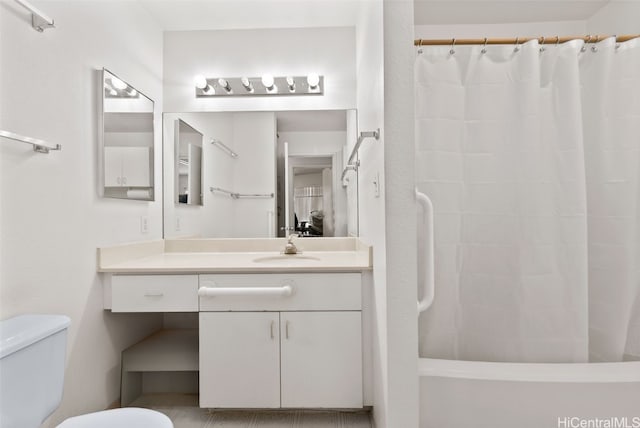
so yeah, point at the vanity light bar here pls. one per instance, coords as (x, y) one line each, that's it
(312, 84)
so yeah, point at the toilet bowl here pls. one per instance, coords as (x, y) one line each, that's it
(32, 362)
(129, 417)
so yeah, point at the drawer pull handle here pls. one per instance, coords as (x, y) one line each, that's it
(286, 329)
(285, 290)
(271, 330)
(153, 294)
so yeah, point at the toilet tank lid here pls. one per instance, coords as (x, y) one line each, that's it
(24, 330)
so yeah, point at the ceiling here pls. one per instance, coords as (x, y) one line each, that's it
(188, 15)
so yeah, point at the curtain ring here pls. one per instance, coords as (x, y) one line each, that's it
(517, 48)
(453, 45)
(615, 38)
(484, 47)
(557, 41)
(420, 46)
(584, 46)
(542, 44)
(594, 48)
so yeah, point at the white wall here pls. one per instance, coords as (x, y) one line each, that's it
(52, 218)
(616, 17)
(252, 53)
(400, 221)
(521, 29)
(370, 104)
(313, 179)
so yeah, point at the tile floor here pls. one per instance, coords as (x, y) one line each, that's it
(183, 410)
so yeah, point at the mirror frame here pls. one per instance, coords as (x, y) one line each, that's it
(132, 194)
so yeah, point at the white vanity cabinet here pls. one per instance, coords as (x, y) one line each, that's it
(264, 349)
(239, 354)
(321, 357)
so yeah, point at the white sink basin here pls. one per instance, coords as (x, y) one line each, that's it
(286, 258)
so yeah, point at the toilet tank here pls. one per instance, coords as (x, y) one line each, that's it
(32, 362)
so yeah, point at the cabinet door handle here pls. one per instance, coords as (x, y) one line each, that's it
(124, 180)
(152, 294)
(286, 329)
(118, 180)
(271, 330)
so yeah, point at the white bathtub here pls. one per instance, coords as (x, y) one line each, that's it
(468, 394)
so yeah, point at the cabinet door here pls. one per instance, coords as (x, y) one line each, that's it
(112, 166)
(239, 359)
(136, 171)
(321, 359)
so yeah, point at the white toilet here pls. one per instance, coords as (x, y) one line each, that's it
(32, 361)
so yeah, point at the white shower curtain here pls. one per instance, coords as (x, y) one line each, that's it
(501, 152)
(611, 110)
(306, 200)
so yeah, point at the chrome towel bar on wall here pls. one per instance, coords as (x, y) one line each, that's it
(39, 21)
(39, 146)
(352, 164)
(235, 195)
(224, 148)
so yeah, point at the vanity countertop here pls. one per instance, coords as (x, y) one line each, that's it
(235, 256)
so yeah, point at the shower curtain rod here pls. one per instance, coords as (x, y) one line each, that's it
(517, 40)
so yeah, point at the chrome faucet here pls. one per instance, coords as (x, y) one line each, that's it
(291, 248)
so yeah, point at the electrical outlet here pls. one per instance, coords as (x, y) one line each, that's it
(178, 224)
(144, 224)
(376, 185)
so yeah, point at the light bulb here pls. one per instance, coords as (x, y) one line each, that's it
(224, 84)
(291, 83)
(247, 84)
(268, 81)
(313, 80)
(118, 84)
(200, 81)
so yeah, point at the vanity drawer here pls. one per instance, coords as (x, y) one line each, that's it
(154, 293)
(269, 292)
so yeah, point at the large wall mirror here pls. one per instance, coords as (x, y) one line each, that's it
(262, 174)
(127, 140)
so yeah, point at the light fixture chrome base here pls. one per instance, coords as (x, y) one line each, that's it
(256, 88)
